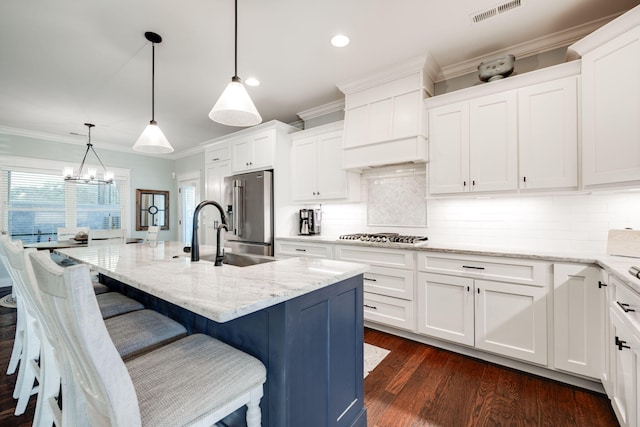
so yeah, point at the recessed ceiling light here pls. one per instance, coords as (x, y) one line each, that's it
(252, 81)
(340, 40)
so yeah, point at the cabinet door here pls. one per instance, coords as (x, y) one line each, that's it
(548, 134)
(610, 111)
(445, 307)
(305, 160)
(449, 149)
(241, 155)
(215, 174)
(578, 328)
(493, 142)
(511, 320)
(332, 181)
(624, 363)
(608, 285)
(263, 150)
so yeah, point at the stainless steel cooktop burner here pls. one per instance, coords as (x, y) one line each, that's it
(384, 238)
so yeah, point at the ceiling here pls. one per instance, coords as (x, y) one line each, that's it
(65, 62)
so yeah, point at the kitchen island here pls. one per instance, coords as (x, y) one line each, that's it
(301, 317)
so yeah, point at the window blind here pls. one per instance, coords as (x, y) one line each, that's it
(36, 203)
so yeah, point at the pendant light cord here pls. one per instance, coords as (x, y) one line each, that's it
(153, 83)
(235, 71)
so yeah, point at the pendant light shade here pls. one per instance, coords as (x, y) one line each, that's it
(235, 107)
(152, 139)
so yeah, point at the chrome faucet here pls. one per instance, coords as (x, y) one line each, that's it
(195, 248)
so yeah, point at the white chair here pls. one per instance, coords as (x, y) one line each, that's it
(195, 380)
(68, 233)
(115, 236)
(132, 334)
(20, 320)
(152, 235)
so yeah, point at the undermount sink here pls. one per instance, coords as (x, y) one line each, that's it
(239, 260)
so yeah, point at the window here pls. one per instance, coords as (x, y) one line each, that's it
(35, 202)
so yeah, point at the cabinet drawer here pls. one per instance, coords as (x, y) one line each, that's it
(376, 256)
(527, 272)
(390, 282)
(389, 311)
(217, 153)
(627, 302)
(313, 250)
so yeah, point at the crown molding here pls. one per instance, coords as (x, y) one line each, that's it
(406, 68)
(523, 50)
(322, 110)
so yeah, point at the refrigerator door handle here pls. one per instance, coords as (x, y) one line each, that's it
(238, 198)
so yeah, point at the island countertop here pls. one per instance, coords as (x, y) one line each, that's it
(218, 293)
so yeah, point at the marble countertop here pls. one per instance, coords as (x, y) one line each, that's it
(617, 265)
(218, 293)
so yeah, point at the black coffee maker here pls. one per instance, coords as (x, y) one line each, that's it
(310, 221)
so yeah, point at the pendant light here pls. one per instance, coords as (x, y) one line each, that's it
(152, 139)
(91, 177)
(234, 107)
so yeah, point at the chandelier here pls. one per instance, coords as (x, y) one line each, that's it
(91, 176)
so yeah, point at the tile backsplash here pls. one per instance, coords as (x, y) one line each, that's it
(571, 222)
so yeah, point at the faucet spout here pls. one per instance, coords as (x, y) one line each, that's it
(195, 247)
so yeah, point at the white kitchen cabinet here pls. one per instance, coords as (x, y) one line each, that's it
(493, 142)
(446, 308)
(317, 166)
(253, 152)
(578, 319)
(473, 145)
(289, 248)
(388, 284)
(449, 149)
(217, 167)
(610, 110)
(607, 284)
(497, 305)
(384, 119)
(625, 361)
(548, 135)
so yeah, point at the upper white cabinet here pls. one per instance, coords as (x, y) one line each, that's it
(317, 166)
(384, 119)
(253, 152)
(473, 145)
(611, 108)
(548, 135)
(515, 134)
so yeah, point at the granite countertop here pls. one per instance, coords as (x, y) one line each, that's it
(219, 293)
(617, 265)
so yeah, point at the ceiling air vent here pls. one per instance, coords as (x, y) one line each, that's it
(495, 11)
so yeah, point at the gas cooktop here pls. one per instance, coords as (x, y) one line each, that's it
(384, 238)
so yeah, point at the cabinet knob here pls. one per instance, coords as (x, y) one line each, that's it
(473, 182)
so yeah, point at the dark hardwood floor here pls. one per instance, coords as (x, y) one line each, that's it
(418, 385)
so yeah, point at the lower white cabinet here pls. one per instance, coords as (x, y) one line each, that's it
(625, 364)
(388, 284)
(578, 319)
(285, 248)
(499, 316)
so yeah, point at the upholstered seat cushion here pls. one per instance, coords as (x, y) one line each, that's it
(113, 304)
(187, 376)
(99, 288)
(141, 331)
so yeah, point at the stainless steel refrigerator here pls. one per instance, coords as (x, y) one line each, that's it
(248, 202)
